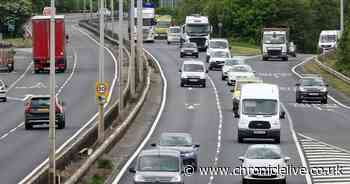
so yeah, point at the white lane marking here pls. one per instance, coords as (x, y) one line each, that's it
(20, 77)
(38, 85)
(327, 156)
(300, 76)
(85, 125)
(218, 147)
(15, 98)
(41, 85)
(297, 143)
(153, 128)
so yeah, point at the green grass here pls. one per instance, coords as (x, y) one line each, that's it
(96, 180)
(104, 164)
(334, 82)
(19, 42)
(241, 48)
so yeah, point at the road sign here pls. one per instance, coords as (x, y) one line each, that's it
(102, 91)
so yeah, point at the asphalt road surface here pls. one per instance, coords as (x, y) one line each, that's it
(23, 150)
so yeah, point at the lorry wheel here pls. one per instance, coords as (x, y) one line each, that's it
(285, 59)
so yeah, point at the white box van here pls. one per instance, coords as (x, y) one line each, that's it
(328, 40)
(259, 112)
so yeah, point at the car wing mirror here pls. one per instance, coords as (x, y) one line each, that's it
(241, 158)
(286, 159)
(282, 115)
(196, 145)
(132, 170)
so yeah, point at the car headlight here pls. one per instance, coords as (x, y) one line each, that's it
(302, 89)
(276, 122)
(176, 178)
(323, 89)
(139, 178)
(184, 77)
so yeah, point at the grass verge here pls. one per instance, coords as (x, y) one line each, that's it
(19, 42)
(246, 49)
(334, 82)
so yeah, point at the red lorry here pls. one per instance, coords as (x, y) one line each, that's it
(41, 43)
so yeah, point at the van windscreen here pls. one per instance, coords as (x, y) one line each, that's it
(259, 107)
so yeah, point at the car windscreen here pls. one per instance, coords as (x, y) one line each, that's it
(328, 38)
(163, 24)
(263, 153)
(232, 62)
(174, 30)
(40, 102)
(193, 68)
(312, 82)
(189, 45)
(175, 140)
(218, 45)
(220, 54)
(241, 69)
(158, 163)
(259, 107)
(274, 39)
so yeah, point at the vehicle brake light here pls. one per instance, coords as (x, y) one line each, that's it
(28, 107)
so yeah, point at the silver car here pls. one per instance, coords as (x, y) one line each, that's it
(161, 166)
(261, 157)
(181, 142)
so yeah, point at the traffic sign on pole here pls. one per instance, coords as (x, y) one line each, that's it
(102, 92)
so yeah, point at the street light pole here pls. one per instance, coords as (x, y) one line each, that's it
(90, 9)
(132, 47)
(139, 40)
(52, 114)
(120, 55)
(341, 16)
(112, 16)
(101, 74)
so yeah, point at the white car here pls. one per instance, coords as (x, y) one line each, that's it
(239, 71)
(218, 58)
(262, 157)
(217, 44)
(174, 34)
(229, 63)
(193, 72)
(3, 91)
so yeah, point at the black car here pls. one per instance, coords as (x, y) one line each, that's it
(189, 49)
(37, 112)
(311, 88)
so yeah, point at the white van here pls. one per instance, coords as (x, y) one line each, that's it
(259, 112)
(217, 45)
(174, 34)
(328, 40)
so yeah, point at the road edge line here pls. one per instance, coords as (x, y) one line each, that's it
(297, 143)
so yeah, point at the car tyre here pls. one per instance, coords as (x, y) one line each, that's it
(285, 59)
(207, 59)
(5, 99)
(244, 181)
(284, 181)
(204, 85)
(324, 101)
(298, 100)
(28, 126)
(277, 140)
(182, 84)
(265, 58)
(222, 77)
(240, 139)
(181, 55)
(61, 124)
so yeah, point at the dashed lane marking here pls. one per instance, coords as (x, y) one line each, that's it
(320, 154)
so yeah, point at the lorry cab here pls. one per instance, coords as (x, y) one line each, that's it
(328, 40)
(149, 22)
(163, 24)
(196, 29)
(259, 113)
(274, 43)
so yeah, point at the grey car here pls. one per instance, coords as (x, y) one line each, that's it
(265, 159)
(181, 142)
(161, 166)
(311, 88)
(189, 49)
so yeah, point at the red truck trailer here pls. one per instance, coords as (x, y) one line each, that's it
(41, 43)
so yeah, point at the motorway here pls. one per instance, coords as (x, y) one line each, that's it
(23, 150)
(320, 131)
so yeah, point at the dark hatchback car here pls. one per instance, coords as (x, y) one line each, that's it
(189, 49)
(311, 88)
(37, 112)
